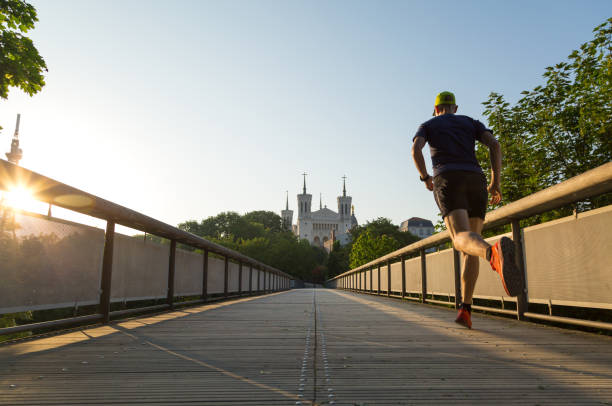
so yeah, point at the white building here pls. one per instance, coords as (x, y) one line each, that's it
(420, 227)
(317, 226)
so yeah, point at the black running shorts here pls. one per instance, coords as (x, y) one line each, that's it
(461, 190)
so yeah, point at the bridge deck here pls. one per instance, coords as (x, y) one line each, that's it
(328, 346)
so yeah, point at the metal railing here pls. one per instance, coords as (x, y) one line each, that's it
(56, 193)
(590, 184)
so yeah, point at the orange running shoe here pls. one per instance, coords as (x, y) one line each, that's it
(464, 318)
(503, 262)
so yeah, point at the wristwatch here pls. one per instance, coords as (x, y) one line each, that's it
(425, 178)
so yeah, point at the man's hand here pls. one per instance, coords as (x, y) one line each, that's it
(495, 192)
(429, 183)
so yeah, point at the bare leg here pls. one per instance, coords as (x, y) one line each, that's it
(470, 265)
(465, 233)
(464, 239)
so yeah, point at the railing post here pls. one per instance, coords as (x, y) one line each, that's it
(107, 271)
(457, 268)
(250, 279)
(360, 281)
(171, 270)
(522, 301)
(378, 291)
(205, 276)
(371, 279)
(403, 259)
(258, 279)
(423, 277)
(226, 277)
(239, 278)
(388, 278)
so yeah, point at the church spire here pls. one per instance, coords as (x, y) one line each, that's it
(344, 186)
(304, 174)
(287, 204)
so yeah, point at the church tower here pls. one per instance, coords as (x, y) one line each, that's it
(304, 213)
(287, 216)
(344, 208)
(16, 153)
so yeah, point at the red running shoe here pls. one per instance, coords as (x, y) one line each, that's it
(464, 318)
(503, 262)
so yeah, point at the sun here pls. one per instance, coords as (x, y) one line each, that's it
(19, 198)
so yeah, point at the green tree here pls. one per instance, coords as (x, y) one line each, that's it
(370, 246)
(270, 220)
(338, 259)
(259, 235)
(20, 63)
(383, 226)
(560, 129)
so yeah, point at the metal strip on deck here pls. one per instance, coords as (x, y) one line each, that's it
(309, 347)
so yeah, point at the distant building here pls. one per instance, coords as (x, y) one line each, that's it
(329, 244)
(422, 228)
(317, 226)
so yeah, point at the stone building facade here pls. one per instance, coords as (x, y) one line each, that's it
(422, 228)
(317, 226)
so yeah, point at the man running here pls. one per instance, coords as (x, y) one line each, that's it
(460, 190)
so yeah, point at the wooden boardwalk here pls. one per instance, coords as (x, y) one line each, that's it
(309, 347)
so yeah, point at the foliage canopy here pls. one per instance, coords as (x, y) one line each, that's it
(20, 63)
(259, 235)
(560, 129)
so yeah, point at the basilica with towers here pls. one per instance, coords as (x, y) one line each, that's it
(323, 226)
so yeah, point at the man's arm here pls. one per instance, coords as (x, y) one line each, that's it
(419, 160)
(496, 159)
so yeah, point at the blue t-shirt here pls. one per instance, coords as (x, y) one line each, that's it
(452, 140)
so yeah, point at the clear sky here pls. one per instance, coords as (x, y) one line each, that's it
(183, 109)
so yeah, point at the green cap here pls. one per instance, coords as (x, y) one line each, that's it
(445, 98)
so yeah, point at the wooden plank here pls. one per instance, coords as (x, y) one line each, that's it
(345, 347)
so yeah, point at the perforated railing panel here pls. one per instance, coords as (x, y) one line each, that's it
(413, 275)
(188, 273)
(47, 263)
(440, 273)
(245, 278)
(261, 280)
(570, 260)
(233, 277)
(216, 274)
(383, 278)
(253, 279)
(396, 277)
(140, 269)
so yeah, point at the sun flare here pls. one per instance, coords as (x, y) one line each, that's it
(19, 198)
